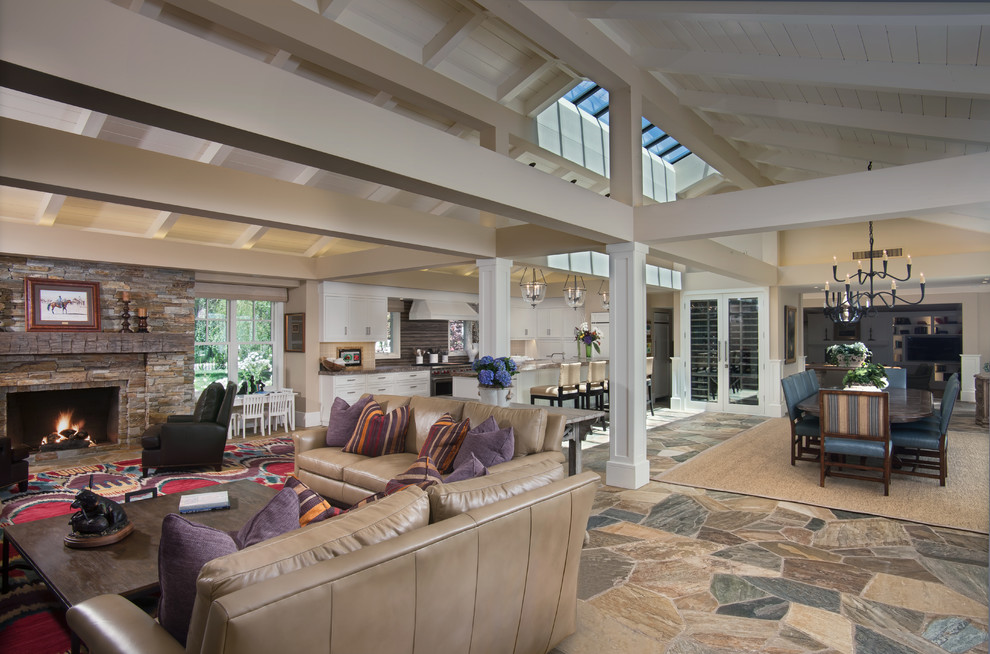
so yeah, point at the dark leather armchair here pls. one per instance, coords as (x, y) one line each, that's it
(13, 465)
(191, 440)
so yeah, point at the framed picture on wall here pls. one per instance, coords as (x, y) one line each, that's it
(58, 305)
(295, 332)
(790, 329)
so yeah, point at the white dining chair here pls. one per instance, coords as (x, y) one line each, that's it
(253, 409)
(279, 407)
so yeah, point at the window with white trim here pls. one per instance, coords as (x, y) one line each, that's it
(235, 340)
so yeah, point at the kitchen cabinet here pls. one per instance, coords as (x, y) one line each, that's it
(523, 321)
(557, 322)
(348, 387)
(348, 318)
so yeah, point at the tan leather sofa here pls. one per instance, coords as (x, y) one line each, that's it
(499, 577)
(347, 478)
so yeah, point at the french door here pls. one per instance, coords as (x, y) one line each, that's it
(725, 338)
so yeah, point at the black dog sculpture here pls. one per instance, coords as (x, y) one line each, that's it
(98, 521)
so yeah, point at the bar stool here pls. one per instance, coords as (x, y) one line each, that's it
(594, 387)
(566, 388)
(649, 384)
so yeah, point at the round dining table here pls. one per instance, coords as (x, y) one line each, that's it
(904, 404)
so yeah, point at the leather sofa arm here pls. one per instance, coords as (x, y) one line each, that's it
(181, 418)
(309, 441)
(110, 624)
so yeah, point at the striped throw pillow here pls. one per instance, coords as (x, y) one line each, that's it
(446, 436)
(378, 433)
(312, 507)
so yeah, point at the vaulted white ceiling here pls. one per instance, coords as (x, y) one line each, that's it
(394, 140)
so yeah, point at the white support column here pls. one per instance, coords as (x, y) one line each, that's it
(627, 465)
(774, 405)
(970, 366)
(493, 306)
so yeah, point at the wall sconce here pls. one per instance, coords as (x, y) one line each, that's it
(534, 290)
(574, 291)
(603, 293)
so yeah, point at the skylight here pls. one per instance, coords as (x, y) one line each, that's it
(593, 100)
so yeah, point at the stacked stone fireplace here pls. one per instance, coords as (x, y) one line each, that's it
(145, 378)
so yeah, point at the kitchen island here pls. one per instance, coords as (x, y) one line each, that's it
(535, 372)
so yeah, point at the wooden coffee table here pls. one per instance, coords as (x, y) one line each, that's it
(128, 567)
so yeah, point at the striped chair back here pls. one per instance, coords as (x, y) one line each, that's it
(854, 414)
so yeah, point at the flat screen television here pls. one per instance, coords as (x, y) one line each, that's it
(935, 348)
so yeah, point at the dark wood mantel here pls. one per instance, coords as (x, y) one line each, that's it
(46, 343)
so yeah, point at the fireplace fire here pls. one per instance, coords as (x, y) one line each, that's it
(64, 419)
(68, 435)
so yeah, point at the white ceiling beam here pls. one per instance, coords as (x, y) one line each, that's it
(101, 170)
(171, 83)
(306, 176)
(68, 243)
(941, 185)
(860, 13)
(522, 78)
(162, 224)
(320, 247)
(955, 129)
(383, 194)
(215, 153)
(893, 77)
(838, 147)
(450, 36)
(332, 9)
(287, 25)
(280, 59)
(971, 223)
(249, 237)
(561, 83)
(51, 204)
(383, 260)
(823, 166)
(717, 258)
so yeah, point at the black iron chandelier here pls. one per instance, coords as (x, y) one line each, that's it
(848, 306)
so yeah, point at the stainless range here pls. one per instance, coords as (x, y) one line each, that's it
(441, 377)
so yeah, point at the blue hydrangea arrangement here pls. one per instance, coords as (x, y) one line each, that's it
(495, 372)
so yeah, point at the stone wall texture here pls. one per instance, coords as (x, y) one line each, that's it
(154, 370)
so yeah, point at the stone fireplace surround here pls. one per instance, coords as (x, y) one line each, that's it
(152, 370)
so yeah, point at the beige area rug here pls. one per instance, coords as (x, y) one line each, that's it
(757, 462)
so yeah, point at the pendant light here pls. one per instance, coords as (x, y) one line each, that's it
(534, 290)
(574, 291)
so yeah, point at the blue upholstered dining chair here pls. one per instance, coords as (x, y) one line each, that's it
(922, 445)
(855, 425)
(896, 377)
(805, 436)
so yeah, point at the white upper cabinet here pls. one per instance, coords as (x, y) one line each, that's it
(522, 322)
(347, 318)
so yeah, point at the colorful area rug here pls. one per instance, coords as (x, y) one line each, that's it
(32, 620)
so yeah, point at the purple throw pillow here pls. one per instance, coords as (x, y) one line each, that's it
(470, 469)
(186, 546)
(343, 420)
(488, 443)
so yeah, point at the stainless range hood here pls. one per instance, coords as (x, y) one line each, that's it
(441, 310)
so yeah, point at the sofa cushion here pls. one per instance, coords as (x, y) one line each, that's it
(446, 436)
(424, 411)
(487, 443)
(312, 507)
(329, 462)
(450, 499)
(186, 546)
(343, 420)
(469, 468)
(208, 404)
(383, 520)
(378, 433)
(373, 473)
(528, 425)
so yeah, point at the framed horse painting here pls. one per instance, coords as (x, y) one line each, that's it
(58, 305)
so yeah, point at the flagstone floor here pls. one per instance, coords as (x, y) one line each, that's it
(690, 571)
